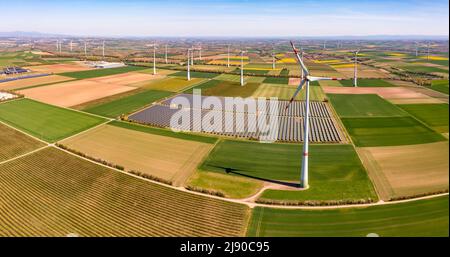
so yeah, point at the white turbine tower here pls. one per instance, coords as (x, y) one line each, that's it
(242, 67)
(228, 58)
(165, 54)
(71, 45)
(355, 74)
(103, 50)
(60, 46)
(188, 64)
(154, 58)
(428, 51)
(273, 59)
(306, 80)
(417, 49)
(85, 50)
(57, 45)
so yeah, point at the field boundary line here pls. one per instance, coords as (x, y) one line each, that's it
(24, 132)
(84, 131)
(25, 154)
(252, 205)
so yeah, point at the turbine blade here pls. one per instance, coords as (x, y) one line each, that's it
(302, 83)
(322, 78)
(299, 59)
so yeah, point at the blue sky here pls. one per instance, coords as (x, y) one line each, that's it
(227, 17)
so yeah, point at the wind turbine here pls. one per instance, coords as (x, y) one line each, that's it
(188, 64)
(242, 67)
(228, 62)
(305, 80)
(417, 49)
(103, 50)
(57, 45)
(60, 46)
(165, 55)
(273, 59)
(154, 58)
(355, 74)
(85, 50)
(71, 45)
(428, 51)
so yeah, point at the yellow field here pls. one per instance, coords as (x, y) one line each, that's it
(347, 65)
(397, 54)
(327, 61)
(164, 157)
(172, 84)
(435, 58)
(407, 170)
(224, 62)
(287, 60)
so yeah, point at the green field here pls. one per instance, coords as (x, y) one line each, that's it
(53, 193)
(440, 85)
(425, 69)
(389, 131)
(367, 83)
(164, 132)
(20, 58)
(195, 74)
(275, 80)
(335, 170)
(203, 86)
(415, 219)
(127, 104)
(350, 105)
(100, 72)
(434, 115)
(45, 121)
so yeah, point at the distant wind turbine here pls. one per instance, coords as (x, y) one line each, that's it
(228, 62)
(273, 59)
(306, 80)
(242, 67)
(355, 74)
(103, 50)
(165, 55)
(188, 64)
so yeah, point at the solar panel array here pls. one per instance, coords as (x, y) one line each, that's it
(286, 125)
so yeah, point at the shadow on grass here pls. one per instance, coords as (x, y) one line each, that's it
(229, 170)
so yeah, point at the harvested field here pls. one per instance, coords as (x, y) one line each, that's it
(74, 93)
(14, 143)
(367, 83)
(389, 131)
(62, 194)
(420, 218)
(163, 157)
(60, 67)
(363, 72)
(385, 92)
(289, 123)
(330, 83)
(45, 121)
(399, 171)
(23, 83)
(126, 79)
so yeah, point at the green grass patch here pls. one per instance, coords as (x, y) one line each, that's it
(275, 80)
(440, 85)
(370, 105)
(367, 83)
(335, 170)
(434, 115)
(100, 72)
(164, 132)
(389, 131)
(47, 122)
(127, 104)
(195, 74)
(425, 69)
(208, 84)
(419, 218)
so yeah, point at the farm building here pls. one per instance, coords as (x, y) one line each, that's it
(106, 65)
